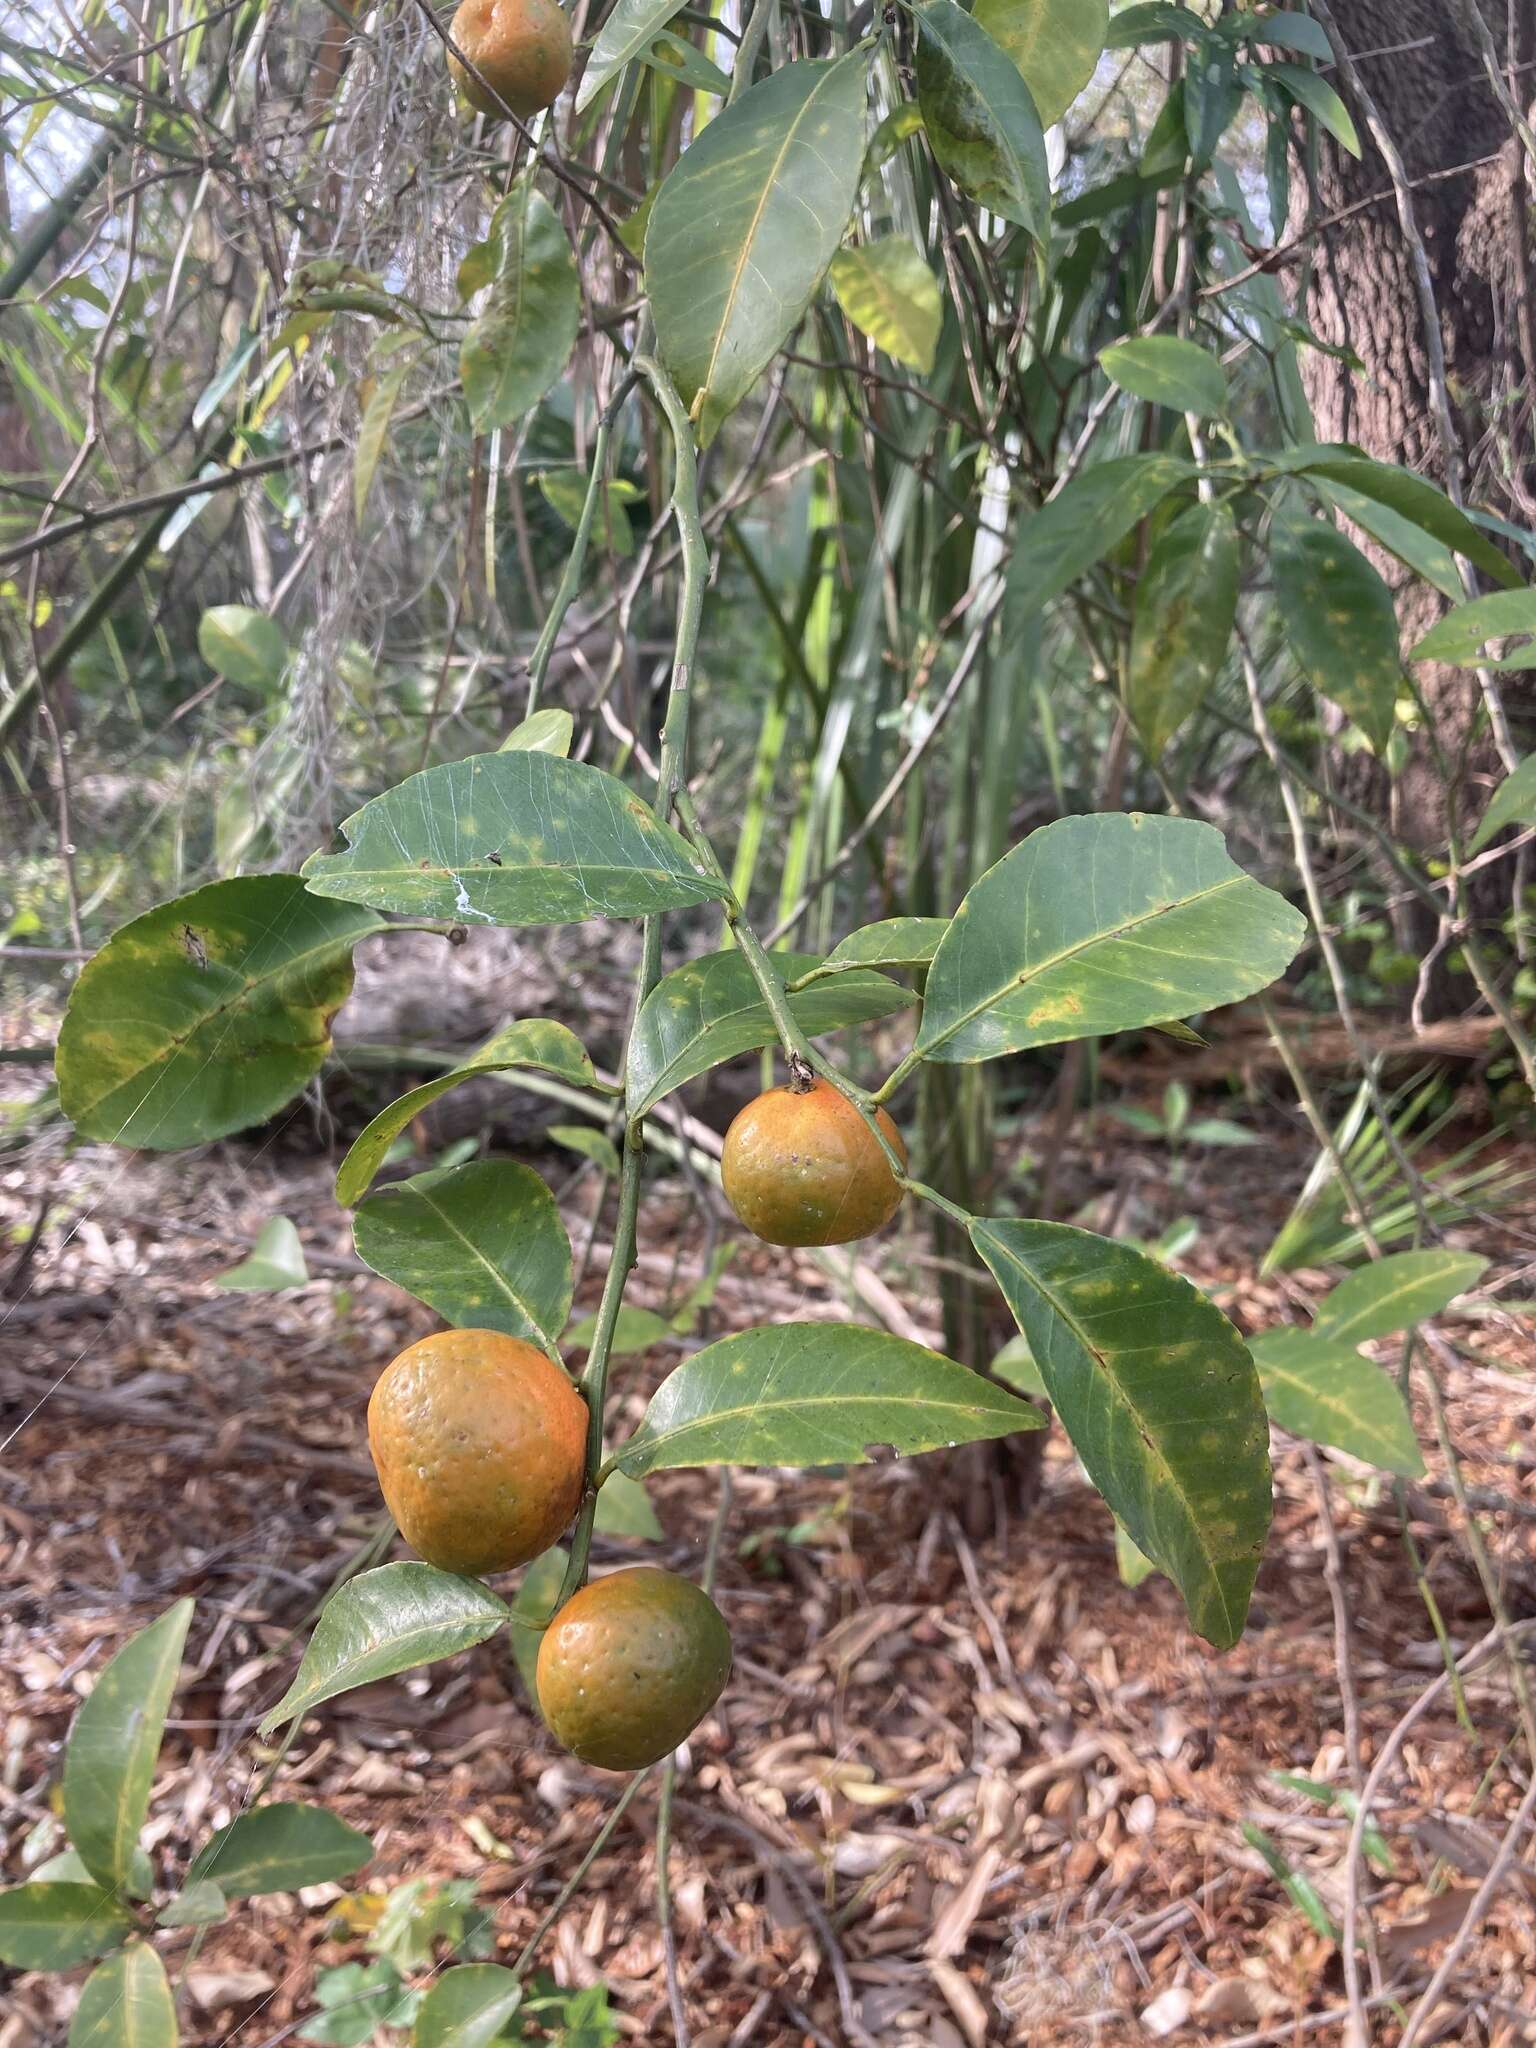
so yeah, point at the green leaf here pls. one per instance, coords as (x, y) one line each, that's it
(280, 1848)
(566, 491)
(636, 1330)
(1458, 638)
(384, 1622)
(1160, 1399)
(1101, 924)
(893, 942)
(373, 432)
(624, 1509)
(126, 2003)
(109, 1759)
(1411, 497)
(511, 838)
(54, 1926)
(196, 1905)
(1182, 625)
(356, 2000)
(1154, 21)
(1285, 31)
(1216, 1130)
(1388, 1295)
(1082, 523)
(591, 1144)
(467, 2007)
(244, 645)
(1212, 96)
(1166, 371)
(546, 732)
(815, 1394)
(516, 351)
(1319, 99)
(1327, 1393)
(899, 126)
(630, 30)
(746, 224)
(1340, 622)
(982, 124)
(1015, 1366)
(676, 58)
(531, 1042)
(1512, 803)
(276, 1262)
(890, 294)
(1054, 43)
(533, 1609)
(1417, 550)
(1298, 1888)
(482, 1243)
(711, 1010)
(1133, 1565)
(206, 1015)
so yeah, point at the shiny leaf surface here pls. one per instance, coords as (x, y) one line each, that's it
(532, 1042)
(1101, 924)
(511, 838)
(815, 1394)
(208, 1014)
(1160, 1399)
(710, 1010)
(384, 1622)
(482, 1243)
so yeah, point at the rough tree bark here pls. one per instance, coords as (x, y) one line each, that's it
(1439, 107)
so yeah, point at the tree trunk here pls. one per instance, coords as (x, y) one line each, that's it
(1439, 107)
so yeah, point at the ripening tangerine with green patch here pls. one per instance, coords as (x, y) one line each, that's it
(802, 1167)
(521, 48)
(479, 1442)
(630, 1666)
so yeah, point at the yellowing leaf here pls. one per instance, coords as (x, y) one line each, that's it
(890, 294)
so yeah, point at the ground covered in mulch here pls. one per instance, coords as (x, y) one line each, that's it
(962, 1789)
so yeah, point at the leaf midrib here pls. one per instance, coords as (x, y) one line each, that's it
(798, 1405)
(1101, 938)
(1101, 1360)
(511, 1293)
(665, 1084)
(294, 1702)
(1331, 1403)
(750, 238)
(241, 996)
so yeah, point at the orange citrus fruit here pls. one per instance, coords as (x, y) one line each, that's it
(480, 1444)
(522, 49)
(630, 1666)
(801, 1166)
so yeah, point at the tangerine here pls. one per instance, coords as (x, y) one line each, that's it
(630, 1666)
(801, 1166)
(521, 48)
(480, 1443)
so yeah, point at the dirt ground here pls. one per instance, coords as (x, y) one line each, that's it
(958, 1792)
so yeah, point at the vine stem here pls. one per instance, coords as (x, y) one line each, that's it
(574, 1882)
(669, 777)
(669, 1790)
(672, 795)
(538, 666)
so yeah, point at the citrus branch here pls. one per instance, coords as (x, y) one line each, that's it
(669, 777)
